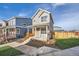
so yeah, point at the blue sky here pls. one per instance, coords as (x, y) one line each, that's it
(64, 15)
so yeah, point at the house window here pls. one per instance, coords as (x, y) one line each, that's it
(38, 29)
(34, 20)
(43, 31)
(0, 25)
(24, 24)
(12, 22)
(43, 18)
(18, 31)
(7, 23)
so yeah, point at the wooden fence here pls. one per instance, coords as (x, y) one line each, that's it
(62, 35)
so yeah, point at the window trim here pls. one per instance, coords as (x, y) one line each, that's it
(43, 31)
(43, 18)
(17, 29)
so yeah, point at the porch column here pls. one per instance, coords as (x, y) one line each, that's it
(28, 30)
(4, 33)
(47, 32)
(40, 32)
(46, 29)
(35, 31)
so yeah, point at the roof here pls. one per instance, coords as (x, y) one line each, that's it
(18, 17)
(43, 11)
(38, 11)
(13, 18)
(57, 27)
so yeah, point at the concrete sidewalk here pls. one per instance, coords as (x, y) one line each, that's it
(67, 52)
(33, 51)
(27, 50)
(16, 44)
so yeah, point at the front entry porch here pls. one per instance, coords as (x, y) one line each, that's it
(42, 33)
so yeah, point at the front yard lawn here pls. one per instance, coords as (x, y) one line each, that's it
(9, 51)
(67, 43)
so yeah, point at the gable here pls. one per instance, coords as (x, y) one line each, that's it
(42, 17)
(39, 12)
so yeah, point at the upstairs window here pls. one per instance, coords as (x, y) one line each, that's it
(43, 31)
(0, 25)
(34, 20)
(18, 31)
(7, 24)
(24, 24)
(43, 18)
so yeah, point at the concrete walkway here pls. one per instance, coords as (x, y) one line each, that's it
(33, 51)
(27, 50)
(16, 44)
(67, 52)
(47, 51)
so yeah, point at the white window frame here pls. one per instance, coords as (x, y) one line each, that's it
(17, 29)
(0, 25)
(43, 18)
(43, 30)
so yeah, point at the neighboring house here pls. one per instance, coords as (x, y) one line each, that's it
(58, 29)
(15, 27)
(2, 26)
(2, 23)
(42, 23)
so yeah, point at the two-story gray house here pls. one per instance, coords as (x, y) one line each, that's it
(42, 23)
(2, 26)
(16, 27)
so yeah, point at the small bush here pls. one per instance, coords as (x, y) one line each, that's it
(67, 43)
(9, 51)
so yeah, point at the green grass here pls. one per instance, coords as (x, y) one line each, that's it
(9, 51)
(67, 43)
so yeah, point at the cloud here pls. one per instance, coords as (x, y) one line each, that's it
(55, 5)
(1, 18)
(69, 20)
(68, 17)
(58, 4)
(22, 14)
(46, 6)
(50, 6)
